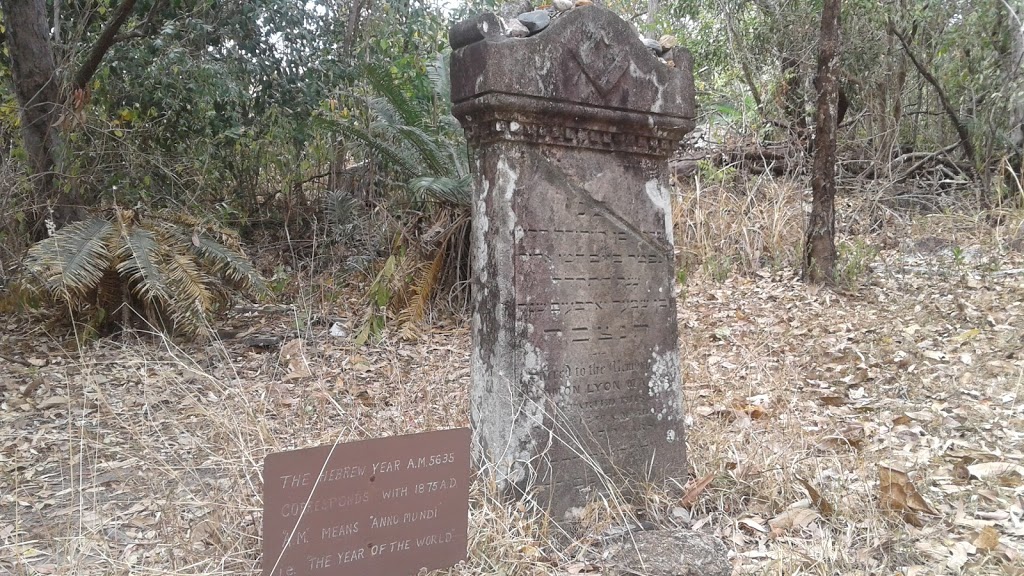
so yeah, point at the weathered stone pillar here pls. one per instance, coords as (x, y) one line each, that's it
(575, 382)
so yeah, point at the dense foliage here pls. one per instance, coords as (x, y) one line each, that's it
(327, 121)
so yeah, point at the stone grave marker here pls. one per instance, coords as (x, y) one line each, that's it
(575, 364)
(388, 506)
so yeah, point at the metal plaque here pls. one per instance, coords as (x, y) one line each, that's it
(388, 506)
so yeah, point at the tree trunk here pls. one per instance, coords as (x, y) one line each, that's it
(1014, 76)
(355, 12)
(652, 11)
(820, 246)
(38, 95)
(37, 88)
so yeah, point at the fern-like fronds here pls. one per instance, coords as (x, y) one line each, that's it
(192, 297)
(427, 147)
(453, 191)
(382, 149)
(172, 276)
(230, 265)
(423, 290)
(71, 263)
(384, 84)
(227, 236)
(440, 78)
(139, 264)
(343, 214)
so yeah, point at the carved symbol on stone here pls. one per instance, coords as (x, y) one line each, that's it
(600, 62)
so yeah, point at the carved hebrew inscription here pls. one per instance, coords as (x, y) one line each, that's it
(593, 291)
(385, 506)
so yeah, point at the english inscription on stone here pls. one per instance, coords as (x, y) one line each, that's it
(575, 343)
(387, 506)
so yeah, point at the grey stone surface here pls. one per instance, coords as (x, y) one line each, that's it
(668, 553)
(515, 8)
(575, 355)
(536, 20)
(516, 28)
(475, 29)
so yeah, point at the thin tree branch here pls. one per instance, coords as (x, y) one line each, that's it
(146, 28)
(103, 44)
(14, 360)
(748, 75)
(927, 158)
(961, 128)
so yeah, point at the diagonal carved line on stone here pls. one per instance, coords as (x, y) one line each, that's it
(548, 172)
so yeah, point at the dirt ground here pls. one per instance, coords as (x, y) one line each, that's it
(877, 429)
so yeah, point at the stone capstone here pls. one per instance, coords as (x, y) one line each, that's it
(535, 21)
(587, 56)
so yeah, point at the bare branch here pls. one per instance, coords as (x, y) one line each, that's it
(147, 27)
(103, 44)
(927, 157)
(958, 123)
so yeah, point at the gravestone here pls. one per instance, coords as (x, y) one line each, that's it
(575, 376)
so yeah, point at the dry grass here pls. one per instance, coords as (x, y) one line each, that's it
(143, 457)
(738, 227)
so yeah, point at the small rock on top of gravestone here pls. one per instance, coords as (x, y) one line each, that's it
(535, 21)
(515, 29)
(653, 45)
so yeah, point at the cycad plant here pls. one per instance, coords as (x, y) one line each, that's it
(416, 143)
(170, 272)
(417, 147)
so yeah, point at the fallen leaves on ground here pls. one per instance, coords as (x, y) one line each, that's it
(145, 456)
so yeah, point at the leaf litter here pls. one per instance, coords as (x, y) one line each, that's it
(877, 430)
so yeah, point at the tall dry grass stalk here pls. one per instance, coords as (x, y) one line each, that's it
(738, 227)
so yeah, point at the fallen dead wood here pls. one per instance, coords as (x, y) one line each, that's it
(939, 160)
(14, 360)
(779, 160)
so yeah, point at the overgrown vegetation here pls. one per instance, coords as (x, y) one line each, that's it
(325, 138)
(147, 272)
(321, 133)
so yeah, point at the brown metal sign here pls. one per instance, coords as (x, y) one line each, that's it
(387, 507)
